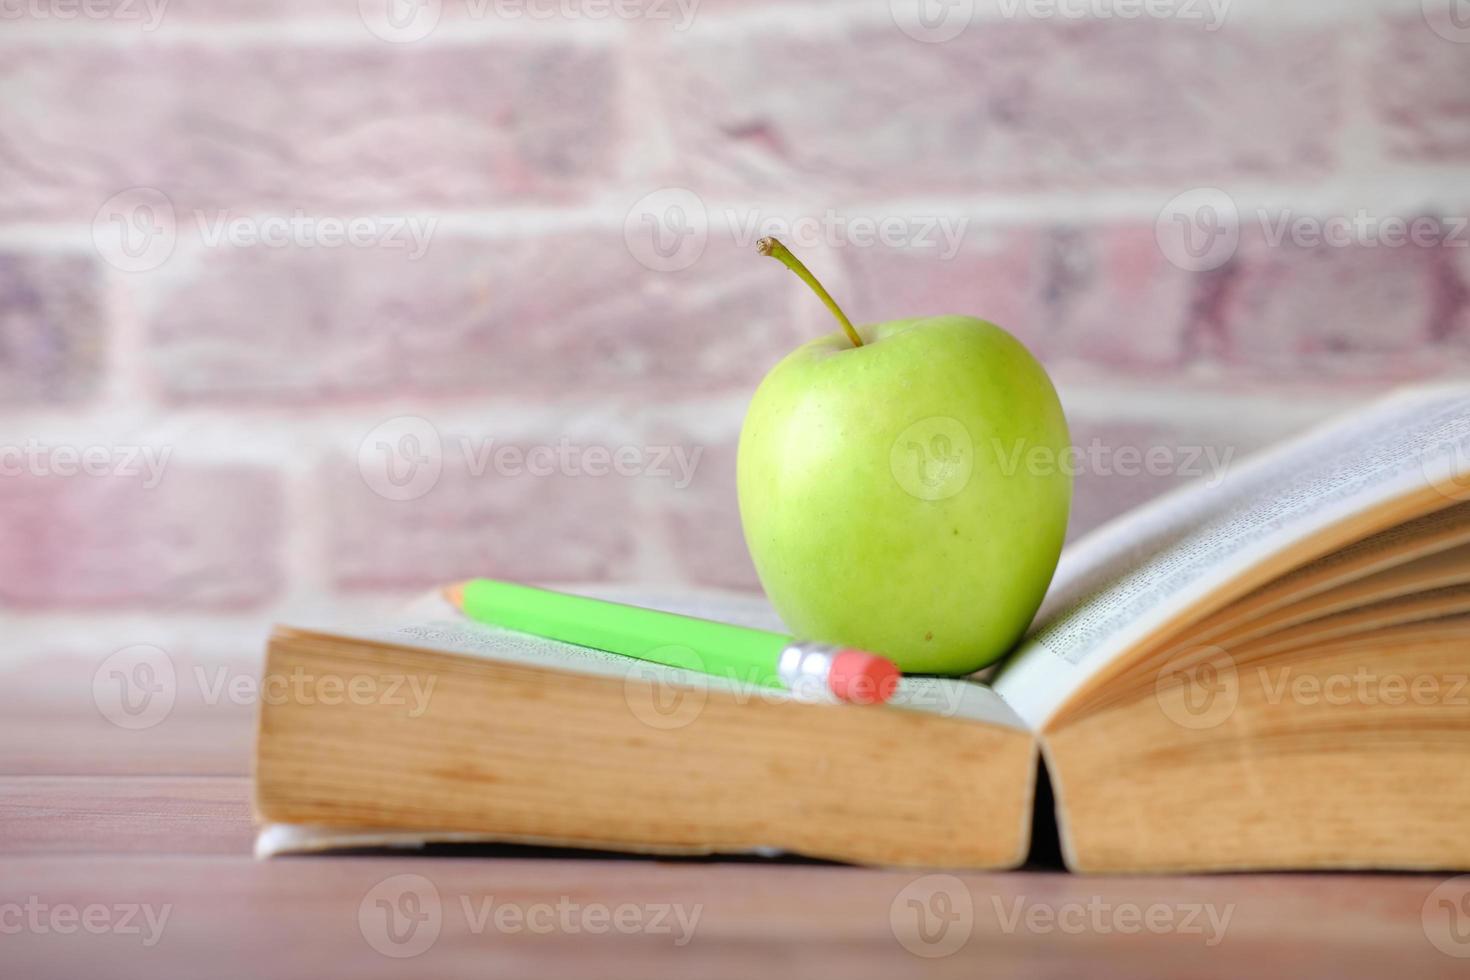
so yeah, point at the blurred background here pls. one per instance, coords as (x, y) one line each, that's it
(315, 305)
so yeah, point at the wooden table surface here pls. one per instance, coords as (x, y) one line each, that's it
(126, 853)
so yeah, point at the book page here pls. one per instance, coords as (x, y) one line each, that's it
(434, 624)
(1124, 581)
(277, 839)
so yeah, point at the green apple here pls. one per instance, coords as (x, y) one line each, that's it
(904, 488)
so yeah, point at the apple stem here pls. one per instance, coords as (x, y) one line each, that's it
(782, 254)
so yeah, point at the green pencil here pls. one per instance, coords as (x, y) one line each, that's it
(736, 652)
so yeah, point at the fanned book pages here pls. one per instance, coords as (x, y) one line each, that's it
(1266, 673)
(1272, 674)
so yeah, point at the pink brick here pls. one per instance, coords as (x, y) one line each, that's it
(1319, 312)
(1111, 299)
(505, 522)
(995, 275)
(247, 11)
(1456, 294)
(368, 125)
(1419, 95)
(704, 521)
(1050, 103)
(125, 13)
(52, 331)
(1101, 294)
(455, 12)
(198, 539)
(564, 314)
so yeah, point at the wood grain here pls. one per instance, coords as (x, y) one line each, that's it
(232, 917)
(125, 815)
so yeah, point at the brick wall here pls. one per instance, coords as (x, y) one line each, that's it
(303, 306)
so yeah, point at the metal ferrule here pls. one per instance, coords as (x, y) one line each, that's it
(804, 668)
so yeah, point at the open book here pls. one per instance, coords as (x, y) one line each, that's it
(1266, 673)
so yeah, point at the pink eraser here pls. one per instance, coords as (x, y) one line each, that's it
(862, 678)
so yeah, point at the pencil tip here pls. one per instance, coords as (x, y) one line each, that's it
(455, 594)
